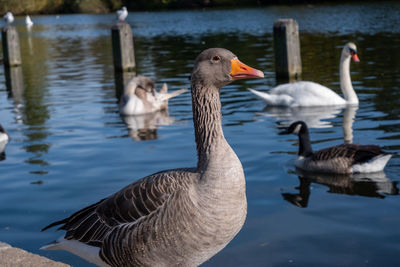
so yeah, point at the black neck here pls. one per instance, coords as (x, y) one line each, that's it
(305, 149)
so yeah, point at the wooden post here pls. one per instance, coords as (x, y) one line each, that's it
(121, 79)
(11, 49)
(15, 83)
(122, 45)
(287, 49)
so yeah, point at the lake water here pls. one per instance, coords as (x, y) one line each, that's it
(70, 147)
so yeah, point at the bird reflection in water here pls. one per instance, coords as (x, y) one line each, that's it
(361, 184)
(144, 127)
(314, 117)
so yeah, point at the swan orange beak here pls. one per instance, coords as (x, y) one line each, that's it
(355, 58)
(240, 70)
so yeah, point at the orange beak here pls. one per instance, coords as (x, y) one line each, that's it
(242, 71)
(355, 58)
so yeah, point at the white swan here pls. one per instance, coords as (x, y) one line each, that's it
(140, 97)
(28, 21)
(9, 17)
(307, 93)
(122, 14)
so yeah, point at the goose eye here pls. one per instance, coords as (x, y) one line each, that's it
(216, 58)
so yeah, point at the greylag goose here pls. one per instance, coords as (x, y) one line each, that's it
(307, 94)
(345, 158)
(122, 14)
(178, 217)
(140, 97)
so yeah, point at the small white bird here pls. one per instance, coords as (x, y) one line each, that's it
(9, 17)
(140, 97)
(28, 21)
(122, 14)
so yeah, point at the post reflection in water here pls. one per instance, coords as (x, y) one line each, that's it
(15, 84)
(361, 184)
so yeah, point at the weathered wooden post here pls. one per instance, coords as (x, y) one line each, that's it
(12, 63)
(122, 46)
(15, 83)
(123, 54)
(11, 48)
(121, 79)
(287, 49)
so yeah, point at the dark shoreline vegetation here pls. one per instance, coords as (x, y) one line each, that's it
(22, 7)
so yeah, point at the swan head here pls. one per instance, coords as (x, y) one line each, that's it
(350, 50)
(297, 127)
(219, 66)
(142, 82)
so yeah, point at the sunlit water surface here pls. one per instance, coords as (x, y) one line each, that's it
(70, 147)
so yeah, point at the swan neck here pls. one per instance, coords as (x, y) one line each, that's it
(207, 118)
(345, 80)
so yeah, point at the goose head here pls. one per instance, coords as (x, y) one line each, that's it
(219, 67)
(350, 50)
(297, 127)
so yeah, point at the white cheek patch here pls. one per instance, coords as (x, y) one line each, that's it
(297, 129)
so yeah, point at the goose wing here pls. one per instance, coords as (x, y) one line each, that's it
(355, 153)
(137, 200)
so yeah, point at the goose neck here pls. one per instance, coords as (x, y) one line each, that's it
(305, 149)
(345, 80)
(210, 140)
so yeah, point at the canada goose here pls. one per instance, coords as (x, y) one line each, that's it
(306, 94)
(140, 97)
(4, 138)
(9, 17)
(178, 217)
(345, 158)
(122, 14)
